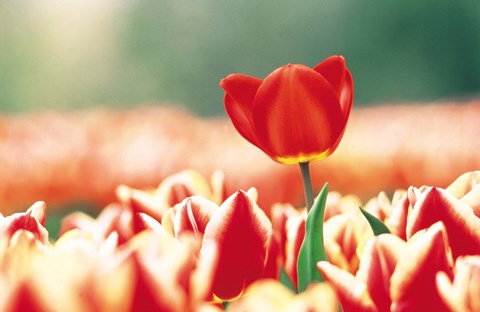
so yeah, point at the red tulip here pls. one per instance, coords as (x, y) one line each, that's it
(33, 221)
(463, 292)
(241, 231)
(394, 275)
(296, 114)
(431, 205)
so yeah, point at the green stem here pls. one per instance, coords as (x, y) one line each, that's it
(307, 184)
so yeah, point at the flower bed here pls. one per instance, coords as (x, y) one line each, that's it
(143, 253)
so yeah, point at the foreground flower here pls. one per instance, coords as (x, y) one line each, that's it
(431, 205)
(394, 274)
(238, 229)
(269, 295)
(463, 293)
(296, 114)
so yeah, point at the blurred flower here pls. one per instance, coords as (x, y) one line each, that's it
(33, 221)
(202, 252)
(394, 274)
(344, 231)
(172, 191)
(296, 114)
(393, 213)
(466, 188)
(269, 295)
(463, 293)
(115, 218)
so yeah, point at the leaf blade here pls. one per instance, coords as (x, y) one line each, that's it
(286, 281)
(377, 226)
(312, 249)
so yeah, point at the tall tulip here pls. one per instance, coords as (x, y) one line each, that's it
(296, 114)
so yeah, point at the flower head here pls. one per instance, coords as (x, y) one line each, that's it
(296, 114)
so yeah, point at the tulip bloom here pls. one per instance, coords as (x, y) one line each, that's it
(296, 114)
(395, 275)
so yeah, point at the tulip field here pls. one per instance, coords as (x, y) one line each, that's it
(240, 228)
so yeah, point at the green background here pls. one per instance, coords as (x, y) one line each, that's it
(75, 54)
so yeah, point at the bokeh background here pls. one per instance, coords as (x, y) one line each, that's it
(78, 54)
(82, 53)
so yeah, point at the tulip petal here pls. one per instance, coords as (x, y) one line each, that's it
(240, 93)
(295, 236)
(241, 230)
(464, 183)
(467, 189)
(27, 221)
(351, 292)
(297, 115)
(461, 294)
(141, 201)
(397, 221)
(472, 199)
(193, 215)
(334, 69)
(412, 285)
(24, 297)
(377, 266)
(463, 227)
(264, 295)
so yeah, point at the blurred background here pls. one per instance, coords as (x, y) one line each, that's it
(82, 53)
(79, 54)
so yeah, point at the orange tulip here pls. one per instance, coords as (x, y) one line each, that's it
(296, 114)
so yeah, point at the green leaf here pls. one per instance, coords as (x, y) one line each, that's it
(378, 227)
(286, 281)
(312, 249)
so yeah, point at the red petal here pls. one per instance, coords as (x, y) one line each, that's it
(295, 236)
(341, 241)
(141, 201)
(463, 227)
(351, 292)
(27, 221)
(377, 266)
(397, 221)
(240, 93)
(461, 294)
(334, 69)
(162, 275)
(193, 215)
(24, 297)
(412, 285)
(241, 231)
(297, 115)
